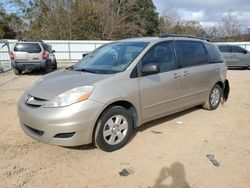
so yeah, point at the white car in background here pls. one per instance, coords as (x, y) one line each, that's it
(235, 56)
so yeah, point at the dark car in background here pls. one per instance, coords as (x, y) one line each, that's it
(32, 54)
(235, 56)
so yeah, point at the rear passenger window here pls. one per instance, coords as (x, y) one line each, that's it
(46, 48)
(190, 53)
(213, 54)
(27, 47)
(237, 49)
(161, 54)
(225, 48)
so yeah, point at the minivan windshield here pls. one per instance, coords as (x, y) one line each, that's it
(110, 58)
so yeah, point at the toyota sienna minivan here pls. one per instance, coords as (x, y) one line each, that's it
(120, 86)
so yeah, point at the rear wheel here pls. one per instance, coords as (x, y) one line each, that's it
(55, 65)
(214, 98)
(17, 71)
(114, 129)
(48, 67)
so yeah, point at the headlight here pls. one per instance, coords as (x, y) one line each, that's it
(70, 97)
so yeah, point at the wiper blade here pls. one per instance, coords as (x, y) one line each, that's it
(84, 70)
(70, 67)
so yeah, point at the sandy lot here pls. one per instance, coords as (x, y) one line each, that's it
(161, 154)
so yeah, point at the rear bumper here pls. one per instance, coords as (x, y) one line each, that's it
(28, 65)
(66, 126)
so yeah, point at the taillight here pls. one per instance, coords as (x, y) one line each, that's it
(12, 57)
(44, 56)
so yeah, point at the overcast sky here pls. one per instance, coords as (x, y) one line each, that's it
(207, 12)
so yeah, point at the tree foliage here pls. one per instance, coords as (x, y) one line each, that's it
(106, 20)
(9, 24)
(88, 19)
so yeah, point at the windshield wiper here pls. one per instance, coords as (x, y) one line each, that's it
(84, 70)
(70, 67)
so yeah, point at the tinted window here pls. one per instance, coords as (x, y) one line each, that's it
(237, 49)
(213, 54)
(27, 47)
(161, 54)
(190, 53)
(45, 47)
(225, 48)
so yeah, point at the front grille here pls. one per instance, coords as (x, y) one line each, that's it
(34, 101)
(34, 131)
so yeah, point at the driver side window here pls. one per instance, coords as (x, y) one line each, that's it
(161, 54)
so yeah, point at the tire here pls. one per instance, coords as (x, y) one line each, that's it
(16, 71)
(114, 129)
(214, 98)
(48, 67)
(55, 66)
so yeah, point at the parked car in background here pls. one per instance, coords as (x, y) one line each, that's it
(235, 56)
(120, 86)
(32, 54)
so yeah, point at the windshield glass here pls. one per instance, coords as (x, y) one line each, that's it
(110, 58)
(27, 47)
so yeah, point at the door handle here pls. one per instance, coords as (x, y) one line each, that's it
(186, 73)
(176, 75)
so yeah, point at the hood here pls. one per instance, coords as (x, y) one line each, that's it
(53, 84)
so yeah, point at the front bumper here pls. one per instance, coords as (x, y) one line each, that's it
(66, 126)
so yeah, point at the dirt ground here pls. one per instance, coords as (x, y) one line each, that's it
(163, 153)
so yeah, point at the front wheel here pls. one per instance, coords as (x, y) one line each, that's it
(114, 129)
(214, 98)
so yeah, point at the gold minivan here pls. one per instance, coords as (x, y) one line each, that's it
(120, 86)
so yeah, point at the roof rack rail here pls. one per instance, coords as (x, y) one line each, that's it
(31, 40)
(187, 36)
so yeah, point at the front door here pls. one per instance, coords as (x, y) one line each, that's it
(159, 93)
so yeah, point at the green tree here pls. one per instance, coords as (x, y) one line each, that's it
(88, 19)
(8, 23)
(148, 17)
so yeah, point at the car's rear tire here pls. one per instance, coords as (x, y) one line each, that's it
(114, 129)
(55, 65)
(214, 98)
(17, 71)
(48, 67)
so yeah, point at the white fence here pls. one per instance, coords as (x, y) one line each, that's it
(71, 51)
(66, 51)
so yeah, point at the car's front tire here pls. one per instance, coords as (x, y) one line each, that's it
(114, 129)
(214, 98)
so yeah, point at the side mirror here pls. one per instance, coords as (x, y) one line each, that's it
(83, 55)
(151, 68)
(53, 51)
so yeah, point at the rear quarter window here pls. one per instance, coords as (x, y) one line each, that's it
(27, 47)
(213, 54)
(237, 49)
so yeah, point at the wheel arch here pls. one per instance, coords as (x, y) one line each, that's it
(125, 104)
(221, 84)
